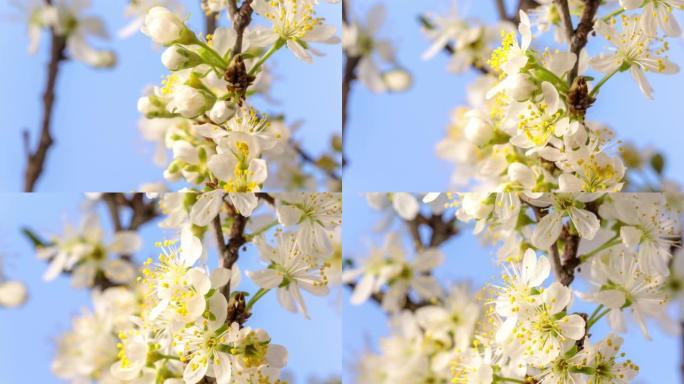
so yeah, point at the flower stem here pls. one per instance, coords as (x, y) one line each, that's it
(596, 311)
(502, 379)
(595, 318)
(218, 59)
(602, 81)
(262, 230)
(612, 242)
(276, 46)
(260, 293)
(613, 14)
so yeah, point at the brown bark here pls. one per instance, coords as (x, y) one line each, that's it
(36, 158)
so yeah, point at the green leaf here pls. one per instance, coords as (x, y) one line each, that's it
(33, 238)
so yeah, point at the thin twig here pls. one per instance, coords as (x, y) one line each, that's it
(222, 249)
(242, 17)
(501, 9)
(266, 197)
(580, 36)
(210, 23)
(236, 238)
(307, 158)
(348, 77)
(35, 163)
(566, 18)
(113, 208)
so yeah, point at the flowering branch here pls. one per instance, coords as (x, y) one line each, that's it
(580, 36)
(348, 77)
(185, 299)
(36, 158)
(242, 17)
(519, 329)
(440, 228)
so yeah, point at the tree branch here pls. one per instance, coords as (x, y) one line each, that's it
(242, 17)
(266, 197)
(222, 249)
(113, 207)
(35, 163)
(501, 9)
(236, 238)
(210, 18)
(580, 36)
(566, 18)
(348, 77)
(563, 267)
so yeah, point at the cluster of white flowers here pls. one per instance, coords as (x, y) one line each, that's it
(176, 320)
(525, 126)
(67, 20)
(523, 328)
(360, 43)
(220, 142)
(83, 253)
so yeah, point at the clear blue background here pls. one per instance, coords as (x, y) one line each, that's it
(391, 139)
(27, 334)
(98, 145)
(466, 260)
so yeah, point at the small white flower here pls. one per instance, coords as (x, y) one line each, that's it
(633, 51)
(288, 271)
(12, 293)
(294, 24)
(163, 26)
(549, 228)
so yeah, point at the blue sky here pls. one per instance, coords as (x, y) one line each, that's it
(98, 146)
(391, 138)
(28, 333)
(466, 260)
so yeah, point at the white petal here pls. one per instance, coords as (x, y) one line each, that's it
(572, 326)
(586, 222)
(406, 205)
(125, 243)
(206, 208)
(193, 376)
(547, 231)
(222, 368)
(266, 278)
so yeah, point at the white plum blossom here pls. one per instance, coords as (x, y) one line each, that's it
(288, 270)
(316, 215)
(633, 51)
(294, 24)
(83, 252)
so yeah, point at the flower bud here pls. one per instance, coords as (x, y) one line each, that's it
(104, 59)
(12, 294)
(189, 102)
(478, 131)
(521, 87)
(163, 26)
(397, 80)
(176, 57)
(220, 112)
(145, 105)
